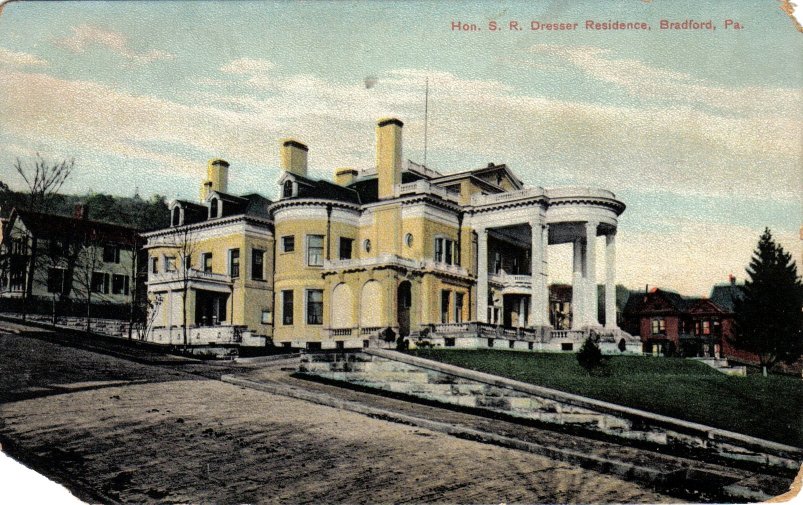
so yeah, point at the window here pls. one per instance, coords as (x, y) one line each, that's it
(458, 307)
(55, 280)
(449, 342)
(315, 250)
(170, 263)
(187, 263)
(100, 282)
(366, 245)
(408, 240)
(234, 263)
(445, 251)
(567, 346)
(213, 208)
(287, 189)
(497, 268)
(288, 243)
(287, 307)
(658, 326)
(155, 265)
(119, 284)
(445, 298)
(257, 264)
(267, 316)
(345, 248)
(206, 260)
(176, 218)
(314, 306)
(111, 254)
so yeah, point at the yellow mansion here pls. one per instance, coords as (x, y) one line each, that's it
(393, 250)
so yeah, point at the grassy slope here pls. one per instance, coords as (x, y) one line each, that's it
(768, 408)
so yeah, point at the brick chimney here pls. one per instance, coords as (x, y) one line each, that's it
(388, 155)
(80, 211)
(293, 157)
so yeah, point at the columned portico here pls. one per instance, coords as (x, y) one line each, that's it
(578, 286)
(536, 268)
(610, 280)
(591, 313)
(482, 275)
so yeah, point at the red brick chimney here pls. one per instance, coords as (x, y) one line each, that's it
(81, 211)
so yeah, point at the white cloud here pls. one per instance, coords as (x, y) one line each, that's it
(644, 81)
(247, 66)
(15, 58)
(84, 37)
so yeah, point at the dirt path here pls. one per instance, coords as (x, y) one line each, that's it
(128, 432)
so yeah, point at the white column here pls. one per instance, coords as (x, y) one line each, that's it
(591, 274)
(544, 273)
(482, 275)
(536, 267)
(578, 286)
(521, 322)
(610, 280)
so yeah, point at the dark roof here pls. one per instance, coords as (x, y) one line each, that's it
(636, 301)
(44, 225)
(193, 212)
(257, 205)
(310, 188)
(252, 204)
(725, 295)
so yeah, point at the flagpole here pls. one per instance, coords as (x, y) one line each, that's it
(426, 118)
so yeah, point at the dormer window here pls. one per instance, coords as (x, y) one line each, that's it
(176, 218)
(287, 189)
(213, 208)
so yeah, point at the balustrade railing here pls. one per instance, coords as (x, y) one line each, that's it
(480, 199)
(191, 274)
(424, 188)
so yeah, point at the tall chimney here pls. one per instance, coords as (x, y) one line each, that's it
(217, 177)
(293, 156)
(388, 155)
(80, 211)
(345, 176)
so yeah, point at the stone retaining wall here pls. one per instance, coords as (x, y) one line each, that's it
(433, 381)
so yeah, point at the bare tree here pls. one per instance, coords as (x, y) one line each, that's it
(185, 244)
(44, 180)
(90, 257)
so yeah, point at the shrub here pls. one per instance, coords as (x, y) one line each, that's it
(388, 335)
(589, 356)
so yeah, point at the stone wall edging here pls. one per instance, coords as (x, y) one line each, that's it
(706, 432)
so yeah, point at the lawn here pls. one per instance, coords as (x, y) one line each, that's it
(769, 408)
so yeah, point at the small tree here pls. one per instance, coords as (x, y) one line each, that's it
(185, 244)
(768, 314)
(589, 356)
(90, 258)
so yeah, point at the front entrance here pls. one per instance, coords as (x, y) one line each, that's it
(516, 310)
(404, 299)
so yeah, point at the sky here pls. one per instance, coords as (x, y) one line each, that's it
(697, 131)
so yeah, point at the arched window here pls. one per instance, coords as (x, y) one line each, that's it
(213, 208)
(288, 189)
(176, 216)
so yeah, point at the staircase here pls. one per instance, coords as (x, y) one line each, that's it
(403, 374)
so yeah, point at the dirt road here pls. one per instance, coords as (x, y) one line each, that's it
(114, 430)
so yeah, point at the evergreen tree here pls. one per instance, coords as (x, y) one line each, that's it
(768, 314)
